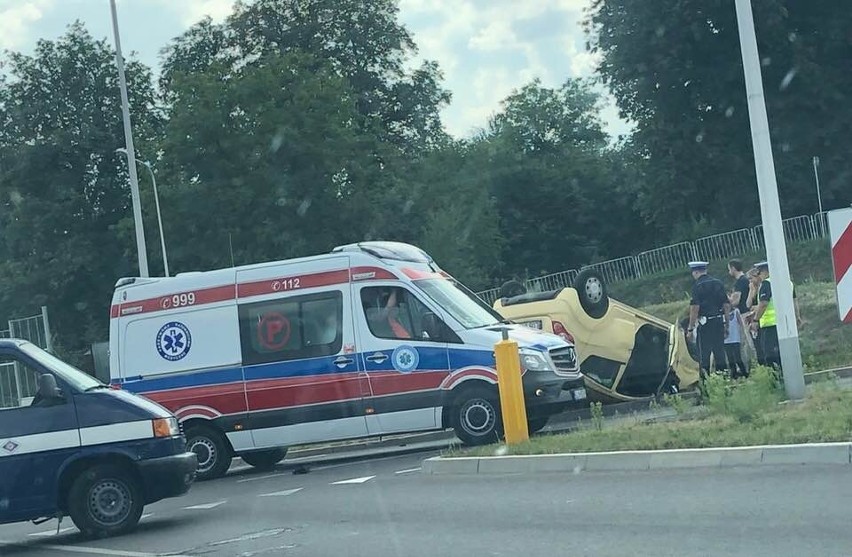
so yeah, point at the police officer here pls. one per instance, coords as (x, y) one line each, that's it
(766, 319)
(707, 313)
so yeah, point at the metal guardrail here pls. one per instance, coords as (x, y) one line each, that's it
(666, 258)
(676, 256)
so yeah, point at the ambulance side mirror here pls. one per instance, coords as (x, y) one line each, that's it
(432, 327)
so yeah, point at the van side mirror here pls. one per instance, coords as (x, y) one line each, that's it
(433, 327)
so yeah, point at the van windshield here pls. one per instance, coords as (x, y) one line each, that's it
(459, 302)
(69, 374)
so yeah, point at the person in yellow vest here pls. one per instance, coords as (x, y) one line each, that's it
(766, 320)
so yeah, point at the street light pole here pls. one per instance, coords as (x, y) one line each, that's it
(770, 207)
(159, 217)
(819, 196)
(141, 250)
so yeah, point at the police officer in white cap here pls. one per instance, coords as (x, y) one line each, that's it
(707, 313)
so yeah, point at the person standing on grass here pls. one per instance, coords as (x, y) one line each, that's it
(733, 346)
(739, 296)
(766, 321)
(708, 312)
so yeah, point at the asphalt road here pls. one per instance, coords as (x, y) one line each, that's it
(386, 508)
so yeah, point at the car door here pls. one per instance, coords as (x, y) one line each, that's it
(404, 363)
(302, 377)
(36, 437)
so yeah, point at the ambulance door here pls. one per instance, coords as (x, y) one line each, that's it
(303, 379)
(405, 359)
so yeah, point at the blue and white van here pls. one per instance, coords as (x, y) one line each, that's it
(371, 339)
(70, 445)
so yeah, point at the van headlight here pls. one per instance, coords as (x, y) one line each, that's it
(532, 360)
(166, 427)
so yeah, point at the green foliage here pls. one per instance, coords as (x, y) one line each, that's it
(744, 400)
(677, 403)
(596, 409)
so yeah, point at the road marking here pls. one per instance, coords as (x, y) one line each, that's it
(281, 493)
(354, 481)
(206, 506)
(52, 532)
(102, 551)
(263, 477)
(146, 515)
(408, 471)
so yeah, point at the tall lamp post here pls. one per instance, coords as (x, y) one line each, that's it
(141, 250)
(157, 204)
(770, 207)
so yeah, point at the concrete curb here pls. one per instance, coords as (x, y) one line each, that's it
(721, 457)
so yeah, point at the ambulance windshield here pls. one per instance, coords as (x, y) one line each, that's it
(459, 302)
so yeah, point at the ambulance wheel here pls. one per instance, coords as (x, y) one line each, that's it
(476, 415)
(212, 451)
(591, 289)
(265, 460)
(105, 501)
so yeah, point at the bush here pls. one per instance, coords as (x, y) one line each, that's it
(743, 400)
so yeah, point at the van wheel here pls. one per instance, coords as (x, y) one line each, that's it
(212, 451)
(536, 424)
(105, 501)
(265, 460)
(476, 416)
(591, 288)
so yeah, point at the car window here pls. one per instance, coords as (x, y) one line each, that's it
(292, 328)
(18, 383)
(394, 312)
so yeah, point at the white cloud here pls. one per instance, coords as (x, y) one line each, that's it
(191, 11)
(17, 18)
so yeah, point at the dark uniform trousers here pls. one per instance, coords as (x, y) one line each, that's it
(711, 340)
(768, 338)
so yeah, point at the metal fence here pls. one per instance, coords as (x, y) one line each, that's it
(17, 383)
(676, 256)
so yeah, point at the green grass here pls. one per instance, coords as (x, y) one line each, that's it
(825, 416)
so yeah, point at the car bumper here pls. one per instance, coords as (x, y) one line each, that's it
(168, 476)
(547, 393)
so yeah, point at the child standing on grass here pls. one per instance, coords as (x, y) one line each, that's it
(733, 346)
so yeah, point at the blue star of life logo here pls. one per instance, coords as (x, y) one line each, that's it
(405, 358)
(173, 341)
(10, 446)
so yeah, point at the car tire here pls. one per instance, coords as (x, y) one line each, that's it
(476, 415)
(105, 501)
(591, 289)
(537, 423)
(211, 449)
(264, 460)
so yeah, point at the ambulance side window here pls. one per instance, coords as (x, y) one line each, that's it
(393, 312)
(18, 383)
(291, 328)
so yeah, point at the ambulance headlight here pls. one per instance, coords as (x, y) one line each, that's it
(532, 360)
(166, 427)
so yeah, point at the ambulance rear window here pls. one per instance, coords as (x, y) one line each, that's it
(292, 328)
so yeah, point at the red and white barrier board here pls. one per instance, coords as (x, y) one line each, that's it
(840, 227)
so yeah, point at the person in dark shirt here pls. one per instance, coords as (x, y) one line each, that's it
(707, 313)
(766, 320)
(739, 296)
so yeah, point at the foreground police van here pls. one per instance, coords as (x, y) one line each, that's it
(371, 339)
(70, 445)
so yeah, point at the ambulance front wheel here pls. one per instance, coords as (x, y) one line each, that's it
(105, 501)
(476, 415)
(265, 460)
(211, 449)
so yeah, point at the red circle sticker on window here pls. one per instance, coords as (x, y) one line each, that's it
(273, 330)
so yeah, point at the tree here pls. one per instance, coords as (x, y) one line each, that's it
(63, 189)
(675, 70)
(359, 40)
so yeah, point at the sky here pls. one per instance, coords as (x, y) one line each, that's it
(485, 48)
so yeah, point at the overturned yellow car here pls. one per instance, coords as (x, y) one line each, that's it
(625, 354)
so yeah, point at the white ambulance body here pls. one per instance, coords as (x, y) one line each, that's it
(371, 339)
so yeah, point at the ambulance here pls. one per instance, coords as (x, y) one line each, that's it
(369, 340)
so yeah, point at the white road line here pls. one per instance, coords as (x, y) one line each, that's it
(52, 532)
(354, 481)
(281, 493)
(408, 471)
(103, 551)
(146, 515)
(254, 479)
(206, 506)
